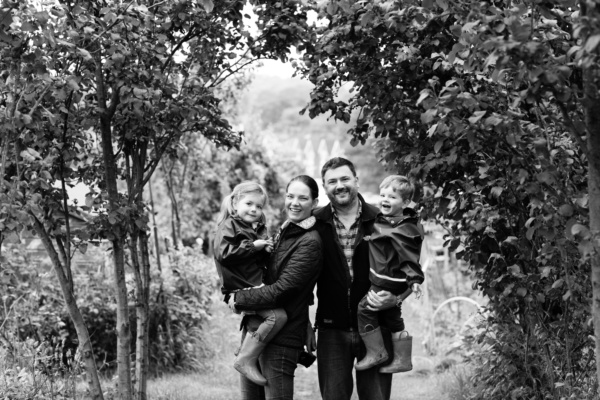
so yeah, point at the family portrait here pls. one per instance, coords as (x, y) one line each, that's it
(299, 199)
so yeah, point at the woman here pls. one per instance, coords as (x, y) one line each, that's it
(292, 272)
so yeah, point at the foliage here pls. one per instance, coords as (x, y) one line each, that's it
(96, 92)
(180, 300)
(482, 101)
(34, 314)
(25, 374)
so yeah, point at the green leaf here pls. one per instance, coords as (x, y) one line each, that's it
(208, 5)
(84, 53)
(591, 43)
(477, 115)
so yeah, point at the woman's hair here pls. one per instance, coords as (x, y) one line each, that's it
(401, 185)
(309, 182)
(239, 191)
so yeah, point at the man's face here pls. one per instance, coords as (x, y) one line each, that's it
(341, 186)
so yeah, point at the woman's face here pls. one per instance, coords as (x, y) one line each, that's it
(299, 202)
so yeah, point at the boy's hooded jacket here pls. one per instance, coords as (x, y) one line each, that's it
(394, 251)
(239, 264)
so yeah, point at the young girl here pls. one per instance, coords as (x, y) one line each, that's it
(241, 248)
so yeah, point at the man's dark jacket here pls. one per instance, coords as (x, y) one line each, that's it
(292, 272)
(337, 294)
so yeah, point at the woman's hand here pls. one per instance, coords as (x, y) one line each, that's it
(231, 304)
(311, 338)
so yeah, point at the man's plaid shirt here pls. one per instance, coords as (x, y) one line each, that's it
(347, 236)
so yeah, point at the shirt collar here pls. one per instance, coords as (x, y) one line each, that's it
(358, 212)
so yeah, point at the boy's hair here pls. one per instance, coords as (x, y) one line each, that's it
(337, 162)
(401, 185)
(239, 191)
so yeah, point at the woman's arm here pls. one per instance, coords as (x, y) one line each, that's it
(299, 271)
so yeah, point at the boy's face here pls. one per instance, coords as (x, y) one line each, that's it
(390, 202)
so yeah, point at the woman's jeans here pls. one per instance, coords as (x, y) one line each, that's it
(336, 351)
(277, 364)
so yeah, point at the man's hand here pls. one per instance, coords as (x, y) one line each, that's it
(381, 300)
(311, 339)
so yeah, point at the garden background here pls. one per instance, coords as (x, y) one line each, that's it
(124, 123)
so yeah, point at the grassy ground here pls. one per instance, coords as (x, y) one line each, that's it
(220, 381)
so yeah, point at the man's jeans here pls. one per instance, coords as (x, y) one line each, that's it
(277, 364)
(336, 352)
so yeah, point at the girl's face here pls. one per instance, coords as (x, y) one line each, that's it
(390, 202)
(250, 207)
(299, 202)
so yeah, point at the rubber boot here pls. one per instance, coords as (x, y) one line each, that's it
(246, 361)
(376, 352)
(402, 355)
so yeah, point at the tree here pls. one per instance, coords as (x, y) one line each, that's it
(494, 106)
(138, 76)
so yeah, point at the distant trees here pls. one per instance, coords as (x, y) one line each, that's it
(495, 106)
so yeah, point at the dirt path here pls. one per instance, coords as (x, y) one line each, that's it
(220, 380)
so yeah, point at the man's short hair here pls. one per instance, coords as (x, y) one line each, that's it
(337, 162)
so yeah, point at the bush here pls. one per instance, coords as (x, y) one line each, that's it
(179, 302)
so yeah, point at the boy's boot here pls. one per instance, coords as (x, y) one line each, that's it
(246, 361)
(402, 355)
(376, 352)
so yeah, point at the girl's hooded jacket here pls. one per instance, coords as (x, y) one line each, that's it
(292, 273)
(239, 264)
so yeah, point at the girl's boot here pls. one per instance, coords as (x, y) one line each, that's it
(402, 355)
(246, 361)
(376, 352)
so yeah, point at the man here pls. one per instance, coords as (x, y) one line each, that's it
(343, 282)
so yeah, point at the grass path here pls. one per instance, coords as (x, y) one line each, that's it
(220, 381)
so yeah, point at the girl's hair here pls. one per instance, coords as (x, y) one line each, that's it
(239, 191)
(309, 182)
(401, 185)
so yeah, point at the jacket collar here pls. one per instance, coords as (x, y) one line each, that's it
(246, 224)
(368, 212)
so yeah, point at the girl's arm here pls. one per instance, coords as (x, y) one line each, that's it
(301, 269)
(231, 247)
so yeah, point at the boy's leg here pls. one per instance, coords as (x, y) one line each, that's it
(392, 319)
(370, 383)
(273, 321)
(367, 320)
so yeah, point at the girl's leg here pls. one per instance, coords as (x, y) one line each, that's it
(273, 321)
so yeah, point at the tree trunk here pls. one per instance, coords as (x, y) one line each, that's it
(142, 318)
(124, 388)
(85, 345)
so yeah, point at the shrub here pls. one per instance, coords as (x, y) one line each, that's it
(179, 302)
